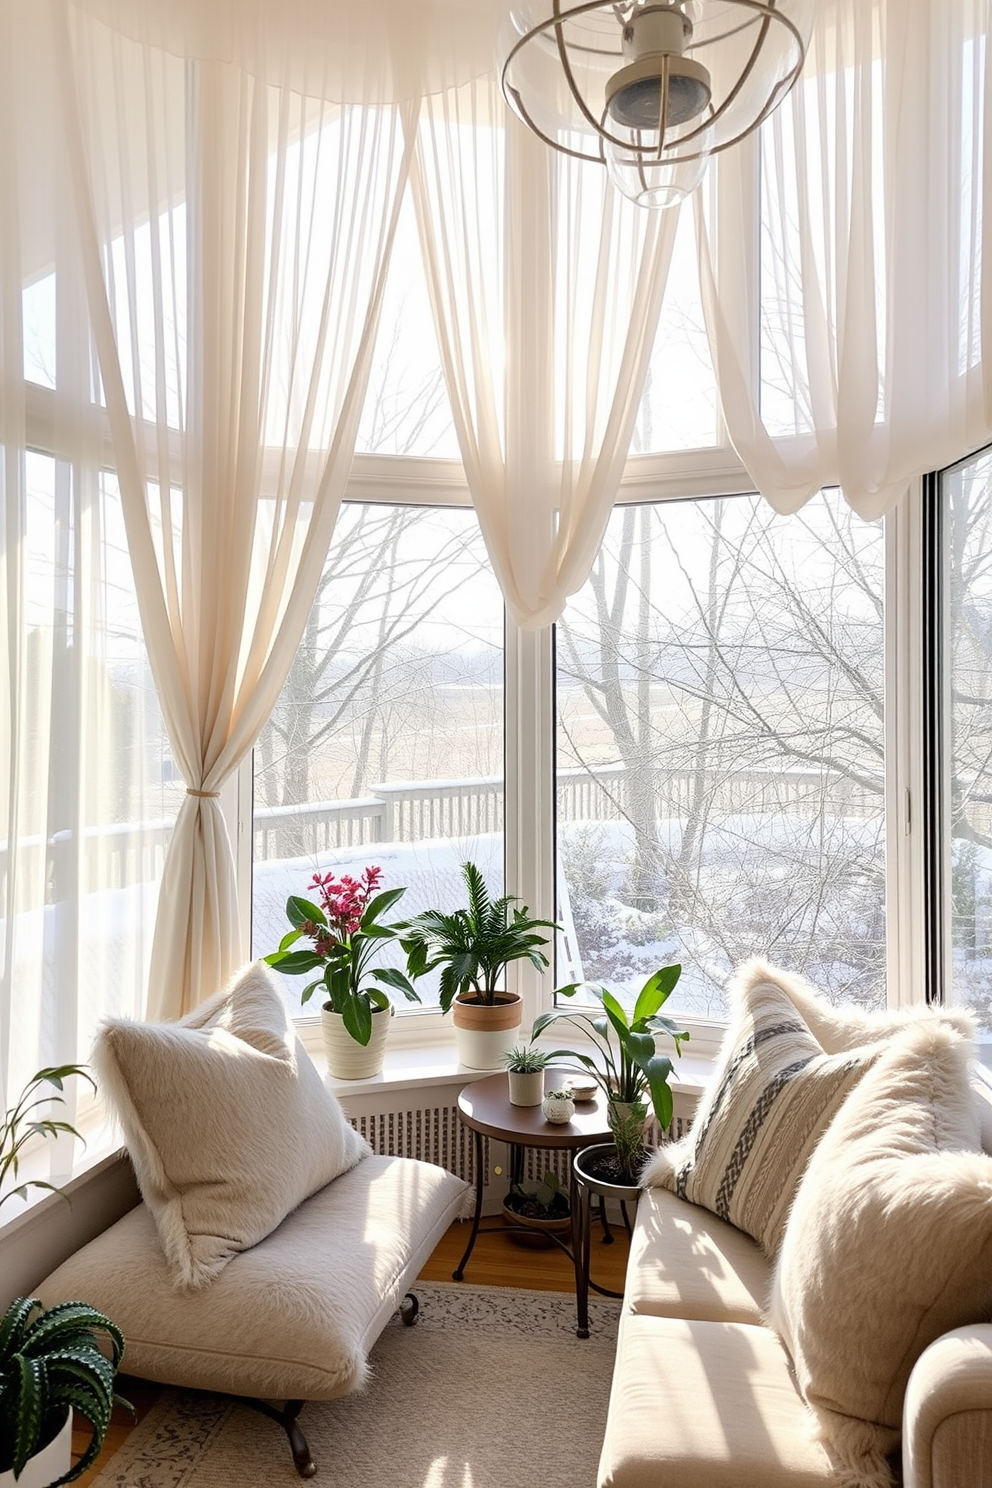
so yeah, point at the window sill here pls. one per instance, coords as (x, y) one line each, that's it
(428, 1065)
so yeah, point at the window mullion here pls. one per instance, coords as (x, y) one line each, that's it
(529, 791)
(905, 795)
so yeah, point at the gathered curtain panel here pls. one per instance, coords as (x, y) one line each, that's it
(850, 326)
(546, 289)
(234, 238)
(78, 799)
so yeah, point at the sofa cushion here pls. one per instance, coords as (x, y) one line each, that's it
(292, 1318)
(706, 1405)
(227, 1121)
(889, 1243)
(684, 1262)
(772, 1095)
(838, 1029)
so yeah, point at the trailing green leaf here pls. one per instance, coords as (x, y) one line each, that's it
(19, 1126)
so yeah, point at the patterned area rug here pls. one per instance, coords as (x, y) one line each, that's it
(490, 1389)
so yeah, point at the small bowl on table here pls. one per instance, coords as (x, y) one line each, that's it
(582, 1090)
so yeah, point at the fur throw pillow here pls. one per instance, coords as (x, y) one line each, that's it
(889, 1244)
(837, 1029)
(770, 1098)
(227, 1121)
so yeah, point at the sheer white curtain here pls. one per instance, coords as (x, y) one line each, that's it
(852, 334)
(84, 806)
(234, 236)
(546, 290)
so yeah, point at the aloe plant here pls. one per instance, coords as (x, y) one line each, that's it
(50, 1362)
(473, 946)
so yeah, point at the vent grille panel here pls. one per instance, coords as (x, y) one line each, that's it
(433, 1135)
(537, 1161)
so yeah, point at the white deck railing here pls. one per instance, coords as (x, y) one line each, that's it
(419, 810)
(422, 810)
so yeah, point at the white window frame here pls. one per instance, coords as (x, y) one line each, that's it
(422, 1044)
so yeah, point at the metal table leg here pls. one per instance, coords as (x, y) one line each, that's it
(459, 1271)
(579, 1198)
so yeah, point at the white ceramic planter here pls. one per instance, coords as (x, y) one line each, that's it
(46, 1466)
(525, 1088)
(558, 1108)
(347, 1060)
(484, 1034)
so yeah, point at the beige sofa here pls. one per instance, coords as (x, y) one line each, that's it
(704, 1395)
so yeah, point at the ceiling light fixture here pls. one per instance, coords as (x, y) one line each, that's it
(651, 90)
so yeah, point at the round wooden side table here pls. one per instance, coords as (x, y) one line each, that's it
(484, 1107)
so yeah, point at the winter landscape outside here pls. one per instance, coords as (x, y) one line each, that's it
(720, 787)
(966, 505)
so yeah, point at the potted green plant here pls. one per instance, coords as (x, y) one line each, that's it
(51, 1365)
(525, 1065)
(542, 1210)
(626, 1064)
(345, 931)
(473, 948)
(50, 1360)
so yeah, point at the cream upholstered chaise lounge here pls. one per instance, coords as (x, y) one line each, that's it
(272, 1245)
(809, 1292)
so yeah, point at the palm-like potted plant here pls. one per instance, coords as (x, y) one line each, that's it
(345, 932)
(626, 1064)
(473, 947)
(50, 1361)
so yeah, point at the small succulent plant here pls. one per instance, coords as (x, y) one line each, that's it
(526, 1059)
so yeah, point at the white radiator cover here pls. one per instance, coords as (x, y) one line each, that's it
(432, 1132)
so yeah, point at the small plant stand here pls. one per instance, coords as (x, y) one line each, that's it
(586, 1185)
(484, 1107)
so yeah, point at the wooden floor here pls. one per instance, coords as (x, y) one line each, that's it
(498, 1260)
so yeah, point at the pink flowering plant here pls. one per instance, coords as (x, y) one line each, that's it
(344, 931)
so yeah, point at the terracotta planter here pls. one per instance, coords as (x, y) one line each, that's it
(347, 1060)
(46, 1466)
(484, 1033)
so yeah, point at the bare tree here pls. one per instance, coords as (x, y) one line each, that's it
(742, 691)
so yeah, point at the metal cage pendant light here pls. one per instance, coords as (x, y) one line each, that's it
(651, 88)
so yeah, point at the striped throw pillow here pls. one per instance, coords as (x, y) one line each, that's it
(772, 1096)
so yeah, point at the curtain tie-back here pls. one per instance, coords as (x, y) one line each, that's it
(209, 795)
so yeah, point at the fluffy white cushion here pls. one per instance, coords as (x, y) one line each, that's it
(838, 1029)
(772, 1094)
(889, 1244)
(227, 1121)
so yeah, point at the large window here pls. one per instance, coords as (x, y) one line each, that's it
(966, 498)
(86, 796)
(386, 745)
(720, 750)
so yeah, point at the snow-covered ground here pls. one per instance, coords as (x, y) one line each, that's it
(72, 964)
